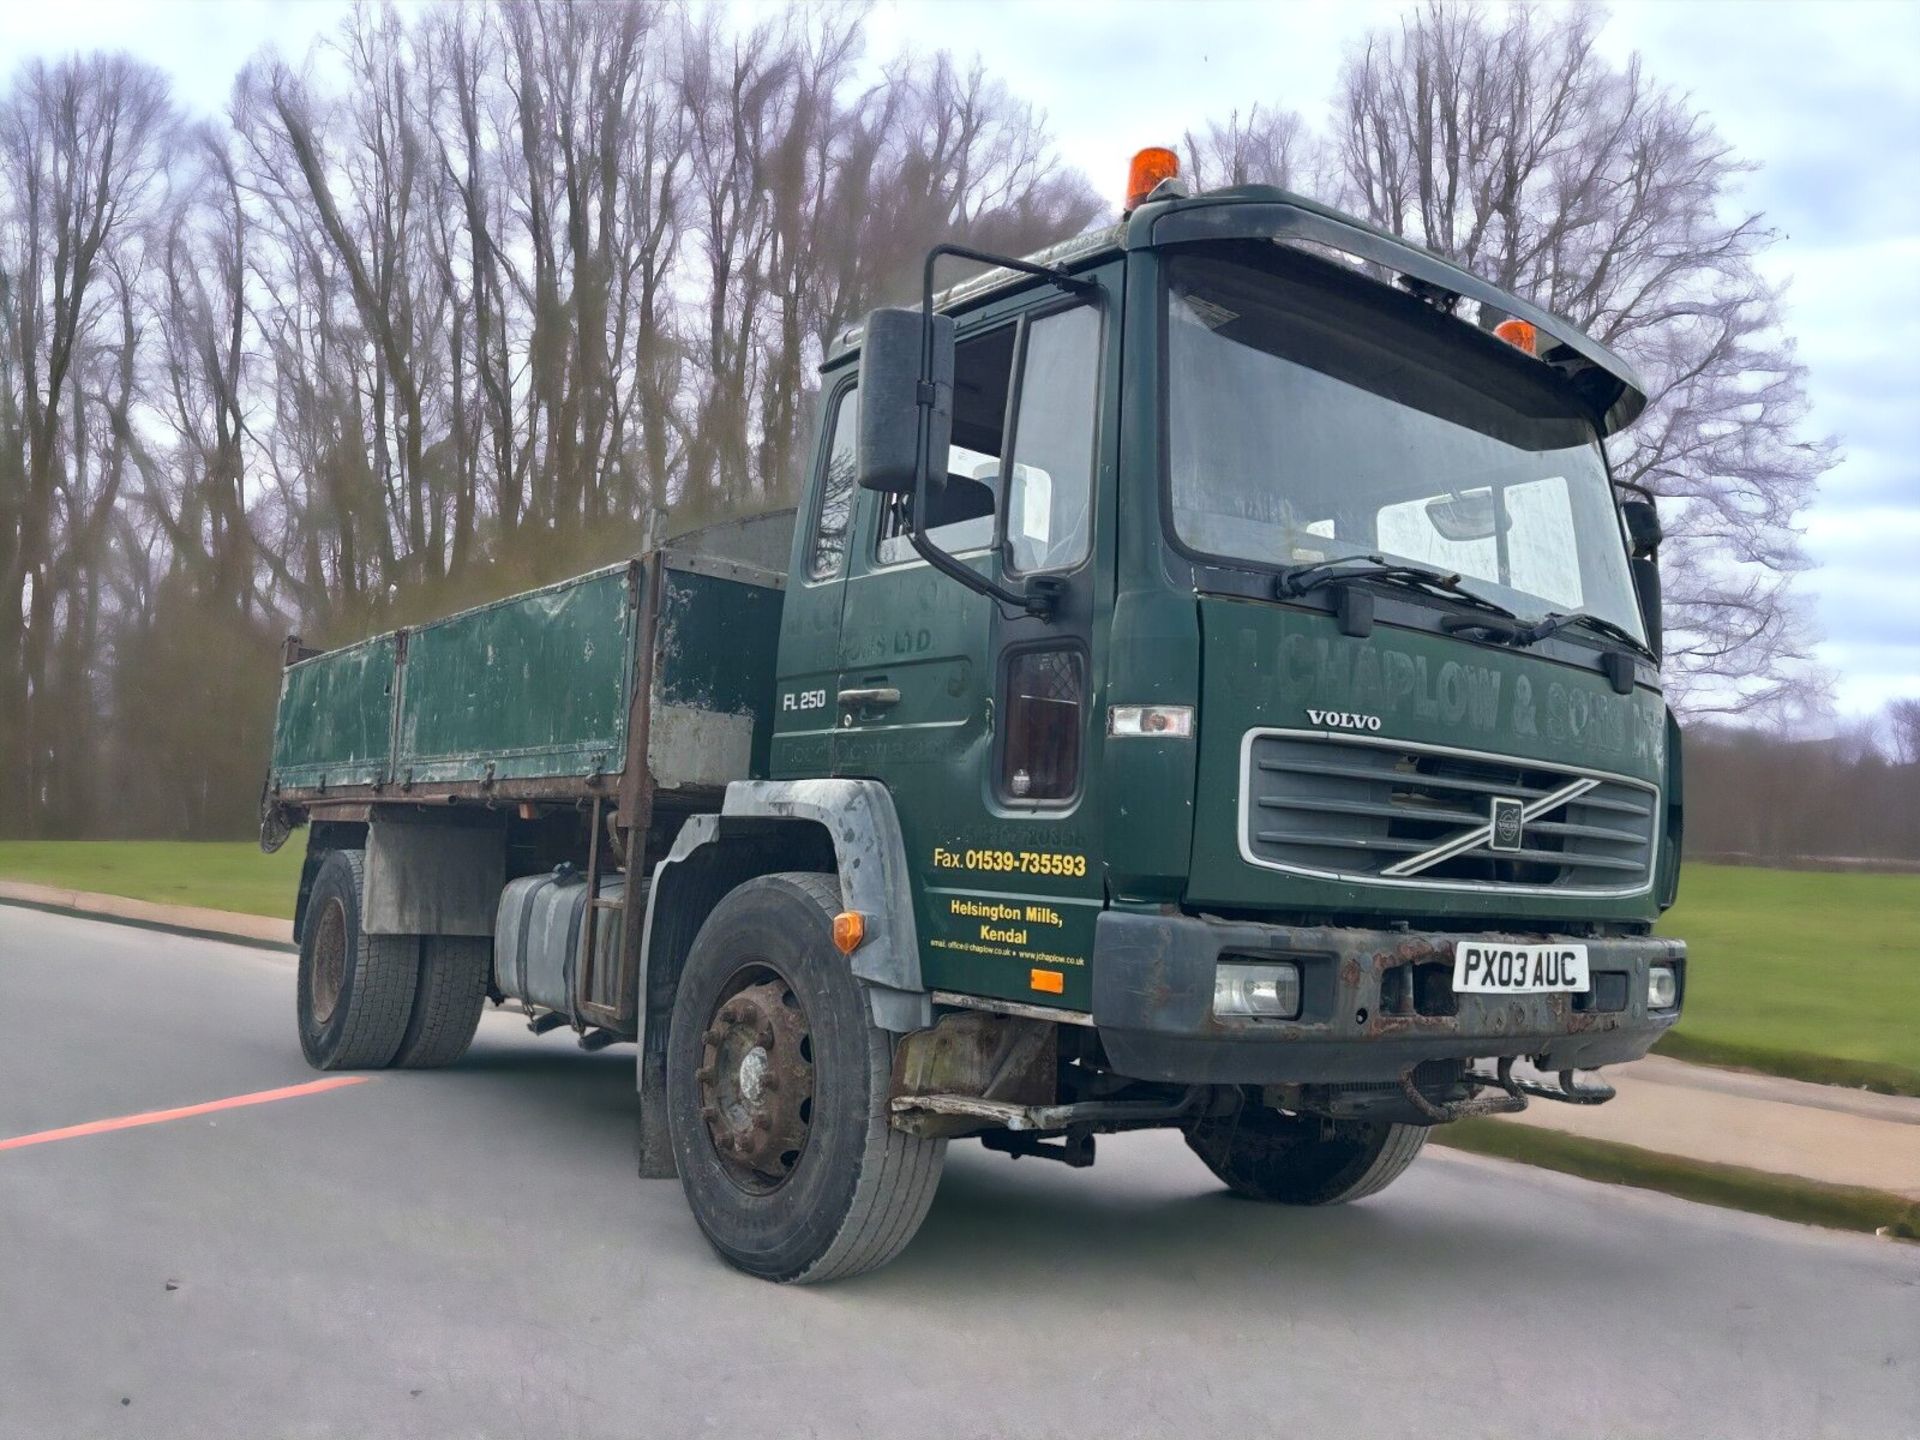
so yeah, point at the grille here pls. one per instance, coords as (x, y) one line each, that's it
(1389, 812)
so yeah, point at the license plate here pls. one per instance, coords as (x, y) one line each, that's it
(1495, 967)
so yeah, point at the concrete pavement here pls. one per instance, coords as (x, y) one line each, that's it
(185, 919)
(1786, 1127)
(468, 1252)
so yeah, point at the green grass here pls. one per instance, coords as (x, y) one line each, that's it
(1801, 973)
(220, 876)
(1733, 1187)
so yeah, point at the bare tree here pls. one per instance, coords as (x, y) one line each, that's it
(1268, 147)
(535, 285)
(1505, 142)
(1903, 730)
(81, 148)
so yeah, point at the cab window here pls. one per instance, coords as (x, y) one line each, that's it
(1050, 487)
(1046, 691)
(833, 520)
(1046, 492)
(961, 511)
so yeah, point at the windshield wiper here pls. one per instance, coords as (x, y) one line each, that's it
(1520, 633)
(1304, 578)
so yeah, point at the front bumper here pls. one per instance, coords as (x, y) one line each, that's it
(1374, 1003)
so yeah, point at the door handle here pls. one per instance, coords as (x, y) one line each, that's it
(875, 697)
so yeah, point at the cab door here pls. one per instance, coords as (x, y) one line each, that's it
(980, 721)
(804, 717)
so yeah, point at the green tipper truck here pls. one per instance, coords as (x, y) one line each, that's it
(1211, 681)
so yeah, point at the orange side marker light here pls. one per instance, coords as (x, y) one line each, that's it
(849, 929)
(1052, 982)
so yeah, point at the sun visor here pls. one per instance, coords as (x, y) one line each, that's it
(1610, 388)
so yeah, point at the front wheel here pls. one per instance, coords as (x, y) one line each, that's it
(777, 1083)
(1300, 1159)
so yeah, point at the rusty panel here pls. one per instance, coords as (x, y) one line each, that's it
(712, 678)
(531, 686)
(334, 723)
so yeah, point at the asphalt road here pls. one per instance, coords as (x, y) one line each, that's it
(468, 1253)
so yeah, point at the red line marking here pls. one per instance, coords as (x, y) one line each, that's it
(154, 1117)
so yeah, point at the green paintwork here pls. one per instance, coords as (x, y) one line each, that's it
(715, 651)
(1266, 664)
(336, 717)
(539, 686)
(532, 686)
(982, 929)
(1156, 819)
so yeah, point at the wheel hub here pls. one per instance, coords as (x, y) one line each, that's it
(329, 962)
(756, 1083)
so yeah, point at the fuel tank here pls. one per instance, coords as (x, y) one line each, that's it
(537, 933)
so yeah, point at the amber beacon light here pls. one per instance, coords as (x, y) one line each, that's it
(1520, 335)
(1150, 166)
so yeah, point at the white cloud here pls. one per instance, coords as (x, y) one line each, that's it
(201, 45)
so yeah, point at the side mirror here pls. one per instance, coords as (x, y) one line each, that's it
(892, 441)
(1643, 525)
(1642, 519)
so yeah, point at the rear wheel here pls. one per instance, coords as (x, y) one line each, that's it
(777, 1085)
(446, 1008)
(1300, 1159)
(356, 990)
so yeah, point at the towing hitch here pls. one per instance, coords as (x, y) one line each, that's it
(1512, 1099)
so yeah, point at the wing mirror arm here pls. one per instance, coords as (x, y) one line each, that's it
(1641, 516)
(1042, 593)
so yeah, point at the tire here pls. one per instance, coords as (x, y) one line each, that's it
(1301, 1160)
(356, 990)
(820, 1186)
(452, 992)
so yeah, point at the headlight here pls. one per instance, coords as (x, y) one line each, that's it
(1270, 992)
(1663, 988)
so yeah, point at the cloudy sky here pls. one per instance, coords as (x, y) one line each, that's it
(1825, 97)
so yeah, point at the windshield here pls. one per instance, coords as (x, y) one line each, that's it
(1314, 417)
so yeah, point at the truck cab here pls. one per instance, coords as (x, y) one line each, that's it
(1214, 685)
(1281, 738)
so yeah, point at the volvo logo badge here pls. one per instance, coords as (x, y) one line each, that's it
(1509, 821)
(1344, 720)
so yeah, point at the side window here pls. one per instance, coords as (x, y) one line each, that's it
(963, 509)
(1046, 695)
(833, 517)
(1050, 489)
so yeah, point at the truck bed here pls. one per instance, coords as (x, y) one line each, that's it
(665, 663)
